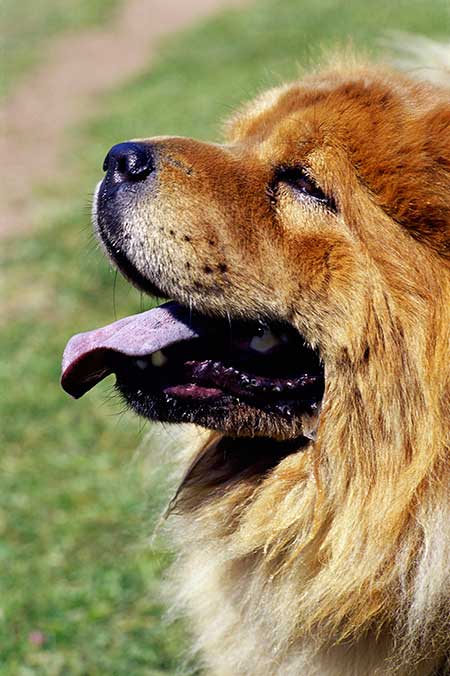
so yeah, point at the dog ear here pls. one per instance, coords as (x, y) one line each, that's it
(438, 132)
(415, 186)
(435, 210)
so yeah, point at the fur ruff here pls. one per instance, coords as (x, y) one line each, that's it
(337, 561)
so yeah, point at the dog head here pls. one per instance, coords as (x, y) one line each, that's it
(291, 250)
(308, 262)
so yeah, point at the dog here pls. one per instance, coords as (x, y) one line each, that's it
(307, 263)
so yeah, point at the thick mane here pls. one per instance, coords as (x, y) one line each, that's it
(355, 531)
(349, 536)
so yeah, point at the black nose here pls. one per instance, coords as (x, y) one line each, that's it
(128, 163)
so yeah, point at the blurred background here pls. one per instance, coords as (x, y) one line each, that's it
(79, 578)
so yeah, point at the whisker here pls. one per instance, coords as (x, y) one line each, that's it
(114, 294)
(230, 327)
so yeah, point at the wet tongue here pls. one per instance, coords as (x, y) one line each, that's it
(87, 357)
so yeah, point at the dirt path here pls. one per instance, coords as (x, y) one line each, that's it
(36, 116)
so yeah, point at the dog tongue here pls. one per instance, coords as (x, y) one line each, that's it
(88, 356)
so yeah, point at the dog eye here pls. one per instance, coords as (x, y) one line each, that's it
(298, 179)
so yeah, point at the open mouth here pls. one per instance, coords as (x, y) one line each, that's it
(175, 365)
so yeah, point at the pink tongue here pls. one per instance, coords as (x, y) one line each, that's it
(87, 357)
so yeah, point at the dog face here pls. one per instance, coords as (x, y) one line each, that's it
(280, 237)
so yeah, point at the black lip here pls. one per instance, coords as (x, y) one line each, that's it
(287, 403)
(227, 414)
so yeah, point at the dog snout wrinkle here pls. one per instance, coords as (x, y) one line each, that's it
(128, 162)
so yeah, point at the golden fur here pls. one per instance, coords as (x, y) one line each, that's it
(334, 561)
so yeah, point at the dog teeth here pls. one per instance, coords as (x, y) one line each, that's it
(264, 342)
(158, 359)
(310, 423)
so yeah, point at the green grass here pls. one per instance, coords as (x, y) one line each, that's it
(27, 26)
(75, 511)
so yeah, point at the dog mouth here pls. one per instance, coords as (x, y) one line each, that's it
(246, 377)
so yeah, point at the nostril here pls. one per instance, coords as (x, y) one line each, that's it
(135, 168)
(129, 162)
(122, 165)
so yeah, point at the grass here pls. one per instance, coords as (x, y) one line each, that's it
(79, 587)
(27, 26)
